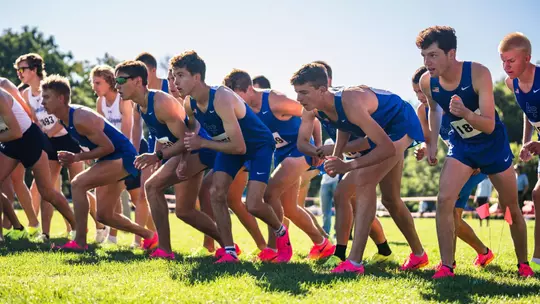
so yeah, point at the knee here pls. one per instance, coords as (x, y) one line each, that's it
(218, 194)
(152, 186)
(78, 184)
(446, 200)
(182, 213)
(271, 195)
(103, 216)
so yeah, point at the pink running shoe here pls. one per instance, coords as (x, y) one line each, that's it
(284, 248)
(438, 266)
(482, 260)
(443, 272)
(267, 255)
(227, 258)
(149, 244)
(71, 246)
(525, 271)
(221, 251)
(161, 254)
(413, 262)
(322, 251)
(347, 266)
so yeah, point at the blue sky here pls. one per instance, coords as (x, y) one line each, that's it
(365, 42)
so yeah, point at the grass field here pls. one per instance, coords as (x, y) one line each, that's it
(31, 273)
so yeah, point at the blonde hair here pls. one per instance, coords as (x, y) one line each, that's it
(517, 41)
(106, 72)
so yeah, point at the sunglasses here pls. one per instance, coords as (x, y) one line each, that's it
(21, 69)
(122, 80)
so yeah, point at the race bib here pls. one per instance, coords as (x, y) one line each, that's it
(221, 137)
(280, 142)
(536, 125)
(464, 129)
(165, 142)
(85, 149)
(47, 122)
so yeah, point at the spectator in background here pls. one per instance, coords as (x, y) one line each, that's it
(328, 187)
(483, 193)
(522, 185)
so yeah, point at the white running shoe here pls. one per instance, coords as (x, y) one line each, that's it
(72, 234)
(102, 234)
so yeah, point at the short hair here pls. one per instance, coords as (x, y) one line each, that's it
(35, 61)
(262, 82)
(133, 68)
(515, 40)
(327, 66)
(444, 36)
(238, 80)
(22, 86)
(312, 73)
(147, 59)
(57, 83)
(416, 77)
(191, 61)
(106, 72)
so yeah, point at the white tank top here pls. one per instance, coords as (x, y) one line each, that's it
(22, 117)
(112, 113)
(46, 121)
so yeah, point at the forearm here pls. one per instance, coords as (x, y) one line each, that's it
(305, 147)
(376, 156)
(435, 118)
(342, 139)
(317, 133)
(357, 145)
(93, 154)
(226, 147)
(527, 130)
(176, 149)
(136, 132)
(481, 123)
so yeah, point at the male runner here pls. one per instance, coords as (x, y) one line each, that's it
(463, 230)
(119, 112)
(165, 117)
(261, 82)
(464, 91)
(99, 141)
(524, 80)
(282, 116)
(391, 126)
(21, 141)
(31, 70)
(239, 136)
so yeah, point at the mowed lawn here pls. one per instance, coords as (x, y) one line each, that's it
(31, 273)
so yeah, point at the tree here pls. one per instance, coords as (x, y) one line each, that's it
(509, 111)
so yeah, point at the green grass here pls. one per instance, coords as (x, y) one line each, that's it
(32, 273)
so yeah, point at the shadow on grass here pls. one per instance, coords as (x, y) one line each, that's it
(293, 278)
(467, 289)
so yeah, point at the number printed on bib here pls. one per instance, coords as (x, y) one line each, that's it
(221, 137)
(280, 142)
(536, 125)
(464, 129)
(47, 121)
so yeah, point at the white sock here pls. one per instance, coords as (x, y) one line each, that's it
(421, 254)
(322, 243)
(112, 238)
(356, 264)
(536, 260)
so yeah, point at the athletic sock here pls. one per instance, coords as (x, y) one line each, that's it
(536, 260)
(112, 238)
(340, 251)
(421, 254)
(281, 231)
(449, 268)
(231, 250)
(356, 264)
(20, 229)
(384, 249)
(323, 242)
(487, 250)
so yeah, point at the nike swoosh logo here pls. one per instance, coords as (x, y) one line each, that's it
(344, 120)
(211, 112)
(150, 113)
(260, 173)
(463, 89)
(264, 112)
(507, 158)
(534, 91)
